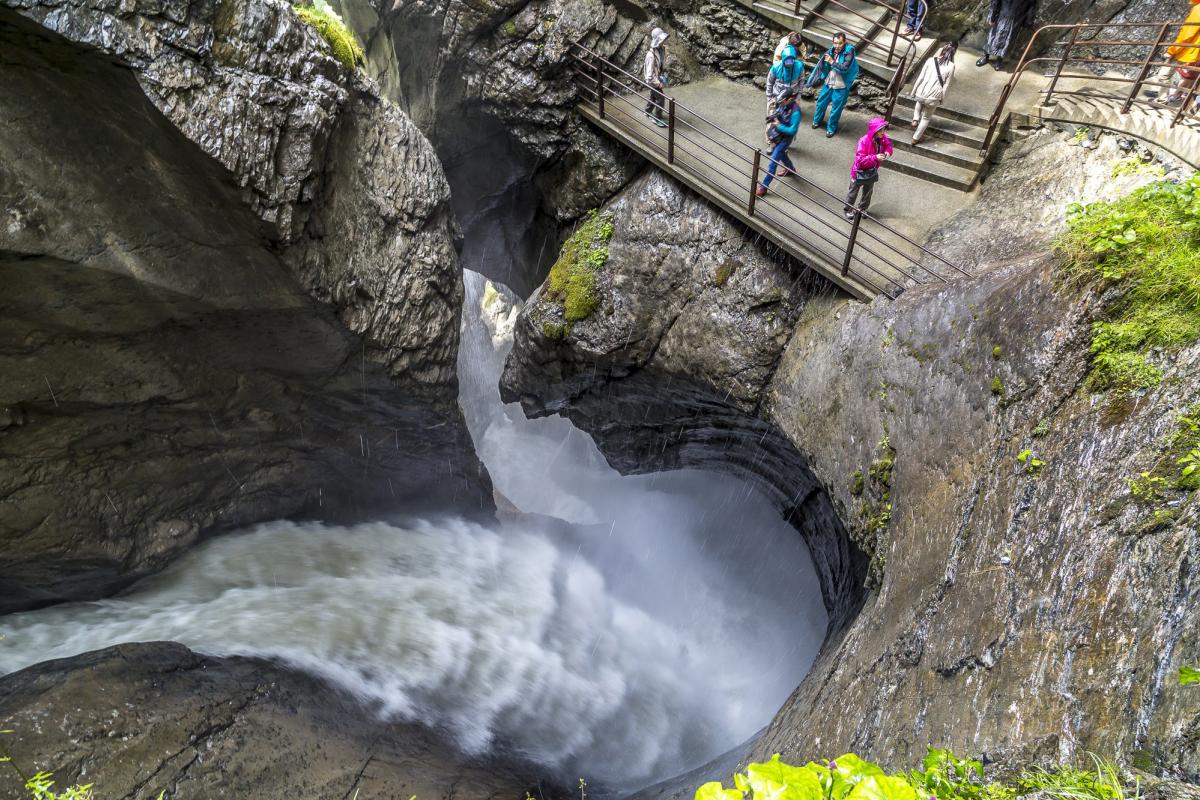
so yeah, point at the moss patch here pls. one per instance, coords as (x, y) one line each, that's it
(1147, 246)
(723, 273)
(573, 278)
(336, 33)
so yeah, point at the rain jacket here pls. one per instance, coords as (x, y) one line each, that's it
(928, 89)
(867, 156)
(789, 127)
(781, 77)
(1189, 34)
(656, 62)
(846, 63)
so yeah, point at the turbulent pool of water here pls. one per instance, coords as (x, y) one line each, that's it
(621, 628)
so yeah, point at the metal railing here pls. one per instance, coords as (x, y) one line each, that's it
(797, 211)
(1089, 54)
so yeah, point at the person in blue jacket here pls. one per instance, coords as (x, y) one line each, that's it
(787, 74)
(837, 69)
(785, 122)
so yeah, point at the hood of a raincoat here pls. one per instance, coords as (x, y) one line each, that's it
(875, 126)
(658, 36)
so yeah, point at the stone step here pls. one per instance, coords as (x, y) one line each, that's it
(968, 119)
(943, 127)
(925, 167)
(1144, 121)
(938, 149)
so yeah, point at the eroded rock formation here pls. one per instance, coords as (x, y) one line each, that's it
(165, 374)
(1014, 615)
(139, 719)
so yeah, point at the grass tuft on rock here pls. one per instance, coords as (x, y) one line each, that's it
(334, 31)
(573, 278)
(1147, 247)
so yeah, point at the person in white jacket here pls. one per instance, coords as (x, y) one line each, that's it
(930, 88)
(656, 76)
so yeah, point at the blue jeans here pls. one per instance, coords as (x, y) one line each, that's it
(778, 156)
(911, 9)
(834, 100)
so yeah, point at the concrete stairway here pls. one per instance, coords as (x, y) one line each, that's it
(865, 23)
(1145, 121)
(949, 154)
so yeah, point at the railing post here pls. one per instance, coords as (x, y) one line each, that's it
(754, 181)
(850, 244)
(1137, 84)
(797, 8)
(600, 88)
(896, 32)
(671, 130)
(1061, 63)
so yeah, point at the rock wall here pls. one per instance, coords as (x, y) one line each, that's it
(1012, 615)
(139, 719)
(165, 375)
(352, 190)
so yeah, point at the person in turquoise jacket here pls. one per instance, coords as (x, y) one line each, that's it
(787, 74)
(785, 124)
(837, 69)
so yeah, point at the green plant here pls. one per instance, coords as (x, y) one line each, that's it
(41, 785)
(997, 387)
(573, 278)
(1081, 134)
(1032, 465)
(1147, 247)
(1135, 165)
(334, 31)
(948, 777)
(857, 482)
(1069, 783)
(1042, 428)
(997, 351)
(1188, 675)
(1147, 488)
(881, 468)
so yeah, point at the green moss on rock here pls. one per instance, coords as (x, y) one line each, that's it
(334, 31)
(574, 277)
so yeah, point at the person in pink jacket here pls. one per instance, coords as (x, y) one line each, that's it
(872, 149)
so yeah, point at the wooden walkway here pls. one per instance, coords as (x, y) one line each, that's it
(865, 256)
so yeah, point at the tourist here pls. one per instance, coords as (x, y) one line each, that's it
(914, 18)
(785, 76)
(784, 124)
(836, 71)
(864, 171)
(1183, 55)
(929, 90)
(1005, 18)
(656, 76)
(791, 40)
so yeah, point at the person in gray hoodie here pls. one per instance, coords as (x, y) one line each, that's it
(655, 76)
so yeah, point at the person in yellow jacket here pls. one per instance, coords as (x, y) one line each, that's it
(1185, 51)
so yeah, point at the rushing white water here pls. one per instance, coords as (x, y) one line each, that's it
(665, 624)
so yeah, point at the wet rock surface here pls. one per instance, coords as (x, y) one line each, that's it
(350, 188)
(139, 719)
(165, 375)
(1017, 616)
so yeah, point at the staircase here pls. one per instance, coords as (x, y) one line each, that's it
(951, 154)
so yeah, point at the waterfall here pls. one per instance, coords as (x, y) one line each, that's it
(620, 628)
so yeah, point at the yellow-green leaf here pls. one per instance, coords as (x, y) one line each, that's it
(715, 791)
(882, 787)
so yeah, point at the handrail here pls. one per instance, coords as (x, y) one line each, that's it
(801, 204)
(1075, 42)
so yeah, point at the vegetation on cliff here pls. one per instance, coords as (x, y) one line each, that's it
(334, 31)
(573, 277)
(942, 776)
(1145, 246)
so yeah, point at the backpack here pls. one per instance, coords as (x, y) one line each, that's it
(775, 120)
